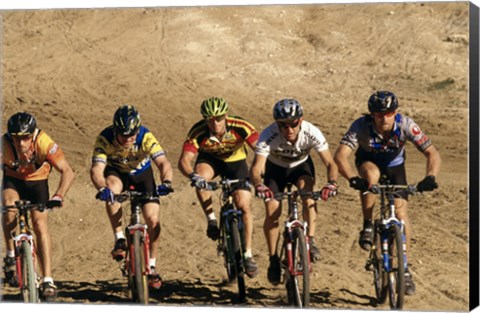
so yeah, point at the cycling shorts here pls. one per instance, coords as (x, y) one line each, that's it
(277, 177)
(227, 170)
(35, 191)
(396, 175)
(143, 182)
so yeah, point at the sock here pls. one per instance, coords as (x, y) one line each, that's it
(119, 235)
(11, 253)
(211, 216)
(48, 279)
(248, 253)
(152, 262)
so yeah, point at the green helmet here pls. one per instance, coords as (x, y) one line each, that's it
(214, 106)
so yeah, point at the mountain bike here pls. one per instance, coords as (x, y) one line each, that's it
(295, 250)
(231, 244)
(388, 258)
(26, 275)
(135, 265)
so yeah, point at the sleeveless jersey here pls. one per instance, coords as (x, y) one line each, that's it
(230, 148)
(133, 160)
(286, 154)
(44, 154)
(385, 151)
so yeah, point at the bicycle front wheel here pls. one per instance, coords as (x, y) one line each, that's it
(238, 260)
(29, 279)
(396, 277)
(380, 280)
(140, 292)
(298, 282)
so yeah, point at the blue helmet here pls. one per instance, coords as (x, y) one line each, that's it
(382, 101)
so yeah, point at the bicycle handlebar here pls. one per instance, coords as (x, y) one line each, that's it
(214, 185)
(378, 188)
(128, 194)
(26, 205)
(297, 193)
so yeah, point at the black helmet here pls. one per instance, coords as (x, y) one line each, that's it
(287, 109)
(126, 120)
(21, 123)
(382, 101)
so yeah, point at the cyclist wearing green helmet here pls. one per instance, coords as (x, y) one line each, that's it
(219, 142)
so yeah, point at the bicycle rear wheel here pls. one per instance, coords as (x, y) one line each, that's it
(238, 259)
(396, 277)
(29, 279)
(380, 280)
(140, 282)
(298, 283)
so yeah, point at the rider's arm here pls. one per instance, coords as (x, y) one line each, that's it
(165, 168)
(96, 175)
(332, 169)
(66, 177)
(433, 161)
(341, 159)
(257, 169)
(185, 162)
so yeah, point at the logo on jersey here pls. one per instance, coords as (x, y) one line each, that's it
(54, 149)
(415, 130)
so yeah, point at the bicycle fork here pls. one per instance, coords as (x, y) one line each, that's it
(289, 247)
(130, 261)
(18, 254)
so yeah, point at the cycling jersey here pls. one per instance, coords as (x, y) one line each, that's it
(133, 160)
(384, 151)
(43, 154)
(286, 154)
(230, 148)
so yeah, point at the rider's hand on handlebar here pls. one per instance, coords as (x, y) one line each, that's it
(359, 183)
(427, 184)
(165, 188)
(263, 192)
(55, 202)
(198, 181)
(329, 190)
(105, 194)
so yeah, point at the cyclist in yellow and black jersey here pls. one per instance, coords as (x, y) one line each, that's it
(122, 158)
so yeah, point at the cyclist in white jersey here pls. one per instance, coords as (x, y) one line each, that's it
(380, 138)
(282, 154)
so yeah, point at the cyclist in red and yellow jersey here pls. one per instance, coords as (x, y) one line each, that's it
(122, 157)
(220, 142)
(27, 160)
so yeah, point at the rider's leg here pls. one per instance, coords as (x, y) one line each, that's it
(401, 206)
(114, 210)
(151, 212)
(306, 183)
(44, 241)
(271, 225)
(371, 173)
(205, 197)
(9, 196)
(242, 200)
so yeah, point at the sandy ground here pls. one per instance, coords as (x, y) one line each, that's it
(72, 68)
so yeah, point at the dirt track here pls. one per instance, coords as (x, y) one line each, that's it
(71, 69)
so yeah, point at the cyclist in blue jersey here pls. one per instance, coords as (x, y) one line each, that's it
(122, 158)
(379, 139)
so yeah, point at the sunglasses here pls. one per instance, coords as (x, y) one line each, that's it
(215, 118)
(384, 114)
(22, 137)
(292, 125)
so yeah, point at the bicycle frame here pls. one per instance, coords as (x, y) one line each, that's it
(293, 222)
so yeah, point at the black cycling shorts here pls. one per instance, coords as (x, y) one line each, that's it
(277, 177)
(34, 191)
(396, 175)
(143, 182)
(226, 170)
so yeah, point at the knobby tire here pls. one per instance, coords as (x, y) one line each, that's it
(396, 278)
(29, 288)
(141, 284)
(300, 283)
(380, 280)
(238, 259)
